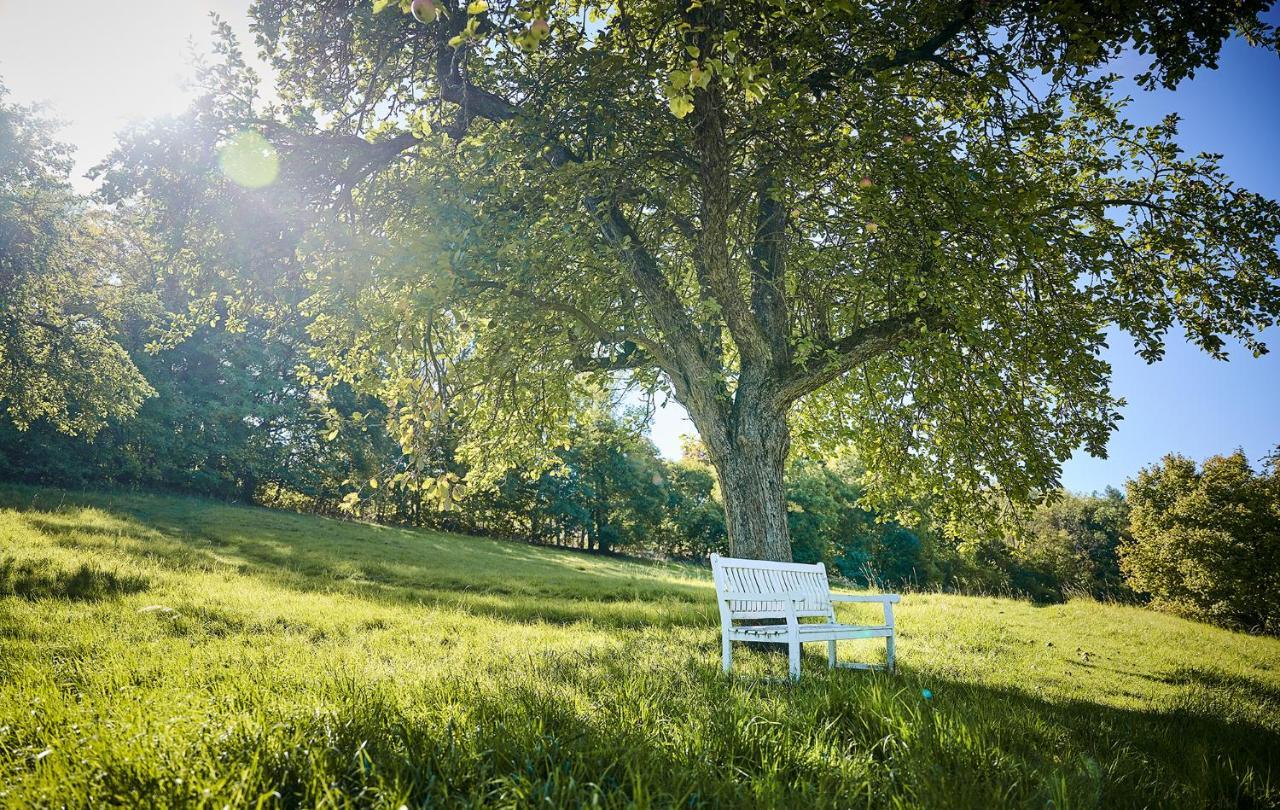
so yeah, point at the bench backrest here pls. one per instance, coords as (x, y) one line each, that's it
(737, 576)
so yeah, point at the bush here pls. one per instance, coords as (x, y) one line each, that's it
(828, 524)
(695, 519)
(1206, 543)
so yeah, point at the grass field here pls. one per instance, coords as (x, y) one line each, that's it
(160, 651)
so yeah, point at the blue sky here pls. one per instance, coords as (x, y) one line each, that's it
(1189, 403)
(109, 63)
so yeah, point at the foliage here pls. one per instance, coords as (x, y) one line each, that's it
(903, 227)
(317, 662)
(60, 291)
(232, 413)
(342, 347)
(696, 517)
(218, 330)
(828, 524)
(607, 490)
(1073, 544)
(1206, 542)
(1067, 547)
(228, 420)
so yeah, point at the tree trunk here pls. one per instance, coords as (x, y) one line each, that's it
(749, 450)
(749, 457)
(604, 543)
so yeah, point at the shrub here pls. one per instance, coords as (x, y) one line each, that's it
(828, 524)
(1206, 543)
(1071, 546)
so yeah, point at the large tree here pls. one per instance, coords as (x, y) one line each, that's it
(61, 289)
(902, 225)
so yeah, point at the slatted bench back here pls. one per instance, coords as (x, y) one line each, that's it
(734, 575)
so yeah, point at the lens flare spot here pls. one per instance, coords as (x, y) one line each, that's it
(249, 160)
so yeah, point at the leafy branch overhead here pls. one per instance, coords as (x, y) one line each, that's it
(904, 227)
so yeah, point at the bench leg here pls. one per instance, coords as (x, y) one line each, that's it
(726, 653)
(831, 653)
(888, 648)
(793, 650)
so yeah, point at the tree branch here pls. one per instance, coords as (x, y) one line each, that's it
(600, 332)
(689, 360)
(1118, 202)
(717, 272)
(686, 359)
(631, 357)
(927, 51)
(768, 270)
(856, 348)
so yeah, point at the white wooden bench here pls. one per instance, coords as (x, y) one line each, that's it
(756, 589)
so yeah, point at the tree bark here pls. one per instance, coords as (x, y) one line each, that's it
(748, 447)
(749, 453)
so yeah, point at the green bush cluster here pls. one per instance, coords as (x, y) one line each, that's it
(1206, 542)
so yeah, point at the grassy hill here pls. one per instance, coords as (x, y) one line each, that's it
(161, 651)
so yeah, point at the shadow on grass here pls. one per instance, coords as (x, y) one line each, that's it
(689, 737)
(505, 580)
(653, 725)
(41, 578)
(1080, 753)
(865, 738)
(1221, 681)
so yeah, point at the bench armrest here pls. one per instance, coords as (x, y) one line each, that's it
(868, 597)
(763, 596)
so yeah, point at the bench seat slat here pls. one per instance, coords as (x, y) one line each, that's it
(812, 632)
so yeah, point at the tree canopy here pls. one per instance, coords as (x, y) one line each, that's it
(903, 227)
(60, 289)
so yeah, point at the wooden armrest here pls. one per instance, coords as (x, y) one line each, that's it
(868, 597)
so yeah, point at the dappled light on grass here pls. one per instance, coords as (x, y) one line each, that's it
(339, 663)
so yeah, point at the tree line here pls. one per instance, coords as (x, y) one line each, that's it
(228, 419)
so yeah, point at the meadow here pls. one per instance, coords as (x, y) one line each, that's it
(174, 652)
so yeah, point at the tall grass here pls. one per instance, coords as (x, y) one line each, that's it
(259, 658)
